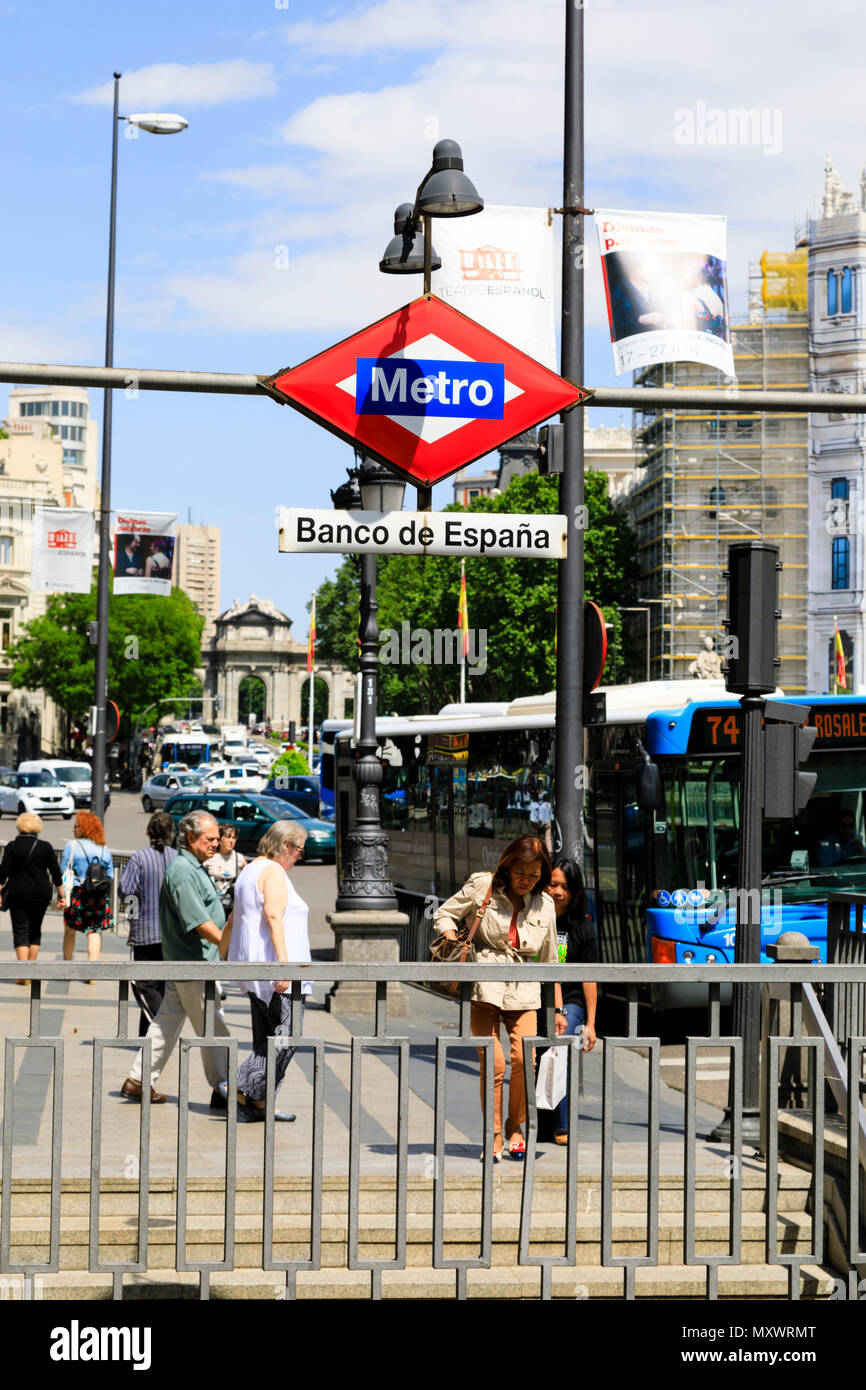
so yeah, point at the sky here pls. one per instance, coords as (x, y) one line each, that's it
(251, 241)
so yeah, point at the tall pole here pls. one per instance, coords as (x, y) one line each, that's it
(100, 692)
(366, 884)
(569, 656)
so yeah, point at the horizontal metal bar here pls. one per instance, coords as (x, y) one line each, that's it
(324, 972)
(725, 399)
(124, 378)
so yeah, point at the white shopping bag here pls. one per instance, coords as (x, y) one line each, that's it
(551, 1083)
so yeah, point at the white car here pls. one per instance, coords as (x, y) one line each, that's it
(239, 779)
(34, 791)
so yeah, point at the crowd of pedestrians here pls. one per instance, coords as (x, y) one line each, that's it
(201, 901)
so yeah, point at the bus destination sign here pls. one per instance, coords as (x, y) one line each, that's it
(720, 730)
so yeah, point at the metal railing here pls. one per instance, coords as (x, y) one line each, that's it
(594, 1231)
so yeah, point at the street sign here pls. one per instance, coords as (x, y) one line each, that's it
(427, 390)
(314, 532)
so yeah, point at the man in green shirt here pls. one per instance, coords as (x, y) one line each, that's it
(191, 921)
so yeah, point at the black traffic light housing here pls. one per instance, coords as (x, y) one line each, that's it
(787, 745)
(551, 449)
(753, 615)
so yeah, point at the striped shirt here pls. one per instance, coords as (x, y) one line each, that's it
(142, 880)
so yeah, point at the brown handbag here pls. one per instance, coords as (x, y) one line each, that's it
(444, 951)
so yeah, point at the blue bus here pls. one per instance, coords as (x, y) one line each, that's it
(458, 786)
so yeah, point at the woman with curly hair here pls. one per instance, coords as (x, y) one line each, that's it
(89, 907)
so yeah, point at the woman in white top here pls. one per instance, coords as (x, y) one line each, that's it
(268, 923)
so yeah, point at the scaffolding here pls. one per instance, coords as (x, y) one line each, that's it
(716, 477)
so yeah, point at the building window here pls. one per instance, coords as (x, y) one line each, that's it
(841, 562)
(847, 283)
(840, 487)
(832, 292)
(5, 551)
(5, 629)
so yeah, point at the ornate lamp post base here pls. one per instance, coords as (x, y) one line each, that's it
(366, 938)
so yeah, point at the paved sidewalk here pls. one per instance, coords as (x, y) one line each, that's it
(77, 1013)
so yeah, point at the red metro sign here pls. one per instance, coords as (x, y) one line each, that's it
(426, 389)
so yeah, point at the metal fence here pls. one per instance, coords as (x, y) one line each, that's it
(556, 1267)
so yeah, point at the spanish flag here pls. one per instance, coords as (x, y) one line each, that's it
(463, 610)
(311, 645)
(841, 681)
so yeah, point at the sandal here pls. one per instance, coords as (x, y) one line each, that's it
(560, 1138)
(517, 1148)
(497, 1155)
(249, 1114)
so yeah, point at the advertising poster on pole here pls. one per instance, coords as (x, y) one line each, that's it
(143, 544)
(498, 268)
(665, 282)
(62, 561)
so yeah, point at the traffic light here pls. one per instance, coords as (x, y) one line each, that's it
(787, 745)
(550, 449)
(753, 613)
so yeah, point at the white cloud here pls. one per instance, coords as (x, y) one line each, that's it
(490, 74)
(194, 84)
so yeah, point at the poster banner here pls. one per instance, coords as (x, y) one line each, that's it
(62, 559)
(143, 552)
(665, 281)
(498, 268)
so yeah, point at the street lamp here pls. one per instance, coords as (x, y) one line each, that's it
(156, 123)
(366, 884)
(444, 191)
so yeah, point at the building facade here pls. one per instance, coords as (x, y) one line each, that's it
(710, 478)
(255, 639)
(198, 571)
(837, 456)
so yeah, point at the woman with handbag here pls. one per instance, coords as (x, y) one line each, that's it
(90, 867)
(27, 872)
(512, 920)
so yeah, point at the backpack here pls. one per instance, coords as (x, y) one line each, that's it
(96, 881)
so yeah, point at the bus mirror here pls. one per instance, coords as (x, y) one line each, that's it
(650, 792)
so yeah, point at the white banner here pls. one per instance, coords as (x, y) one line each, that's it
(665, 280)
(498, 268)
(143, 548)
(62, 561)
(314, 532)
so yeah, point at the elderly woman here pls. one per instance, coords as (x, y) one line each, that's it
(89, 907)
(140, 885)
(269, 923)
(516, 923)
(27, 872)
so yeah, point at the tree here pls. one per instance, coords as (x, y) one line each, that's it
(511, 603)
(154, 645)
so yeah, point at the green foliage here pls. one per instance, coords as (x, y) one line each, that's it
(251, 699)
(320, 701)
(513, 600)
(154, 644)
(292, 763)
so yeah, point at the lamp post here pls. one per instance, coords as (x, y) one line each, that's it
(156, 123)
(444, 191)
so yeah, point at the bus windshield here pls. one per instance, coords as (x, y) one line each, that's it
(824, 848)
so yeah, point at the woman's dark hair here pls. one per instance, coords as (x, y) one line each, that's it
(522, 851)
(160, 830)
(571, 871)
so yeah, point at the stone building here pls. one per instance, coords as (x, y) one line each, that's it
(255, 639)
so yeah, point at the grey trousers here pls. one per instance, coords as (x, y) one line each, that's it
(181, 1002)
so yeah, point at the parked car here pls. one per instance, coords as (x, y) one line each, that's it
(34, 791)
(252, 815)
(76, 778)
(300, 790)
(161, 788)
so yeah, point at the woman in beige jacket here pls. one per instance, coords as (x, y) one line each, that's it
(518, 924)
